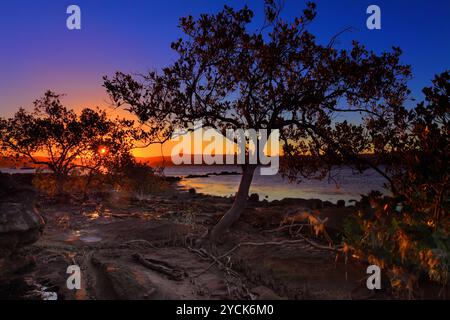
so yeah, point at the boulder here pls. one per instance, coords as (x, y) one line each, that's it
(20, 223)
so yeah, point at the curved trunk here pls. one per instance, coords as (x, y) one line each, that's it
(60, 182)
(59, 185)
(238, 207)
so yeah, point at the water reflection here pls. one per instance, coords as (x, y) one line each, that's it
(88, 236)
(348, 186)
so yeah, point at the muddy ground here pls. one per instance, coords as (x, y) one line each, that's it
(129, 249)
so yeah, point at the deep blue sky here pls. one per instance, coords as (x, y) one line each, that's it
(37, 52)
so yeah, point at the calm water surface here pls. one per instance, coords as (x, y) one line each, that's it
(349, 185)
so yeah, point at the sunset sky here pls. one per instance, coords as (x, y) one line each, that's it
(38, 52)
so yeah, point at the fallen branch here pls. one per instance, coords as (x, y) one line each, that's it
(171, 272)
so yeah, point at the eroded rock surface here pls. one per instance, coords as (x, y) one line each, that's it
(20, 224)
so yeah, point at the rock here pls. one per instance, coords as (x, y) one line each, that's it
(341, 203)
(261, 217)
(265, 293)
(195, 176)
(119, 275)
(15, 265)
(127, 282)
(226, 173)
(19, 226)
(20, 223)
(7, 186)
(14, 289)
(172, 179)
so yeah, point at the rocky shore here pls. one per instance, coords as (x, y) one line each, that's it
(148, 249)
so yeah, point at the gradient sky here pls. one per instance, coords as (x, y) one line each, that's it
(38, 52)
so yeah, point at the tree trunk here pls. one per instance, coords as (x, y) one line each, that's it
(238, 207)
(60, 181)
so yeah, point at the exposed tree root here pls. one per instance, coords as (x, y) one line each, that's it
(279, 243)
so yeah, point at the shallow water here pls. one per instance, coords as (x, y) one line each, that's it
(349, 186)
(87, 236)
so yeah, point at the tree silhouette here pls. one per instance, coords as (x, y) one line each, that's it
(62, 141)
(420, 169)
(230, 75)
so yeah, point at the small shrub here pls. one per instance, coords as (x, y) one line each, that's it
(75, 184)
(401, 240)
(140, 179)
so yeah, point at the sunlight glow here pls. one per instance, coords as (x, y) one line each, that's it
(102, 150)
